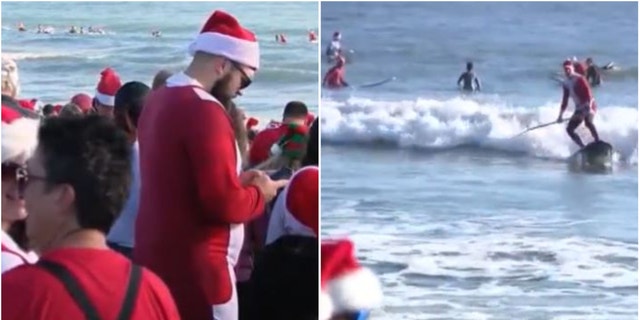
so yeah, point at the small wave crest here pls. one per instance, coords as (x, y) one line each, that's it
(452, 123)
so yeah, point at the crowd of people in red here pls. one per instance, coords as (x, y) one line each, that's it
(165, 202)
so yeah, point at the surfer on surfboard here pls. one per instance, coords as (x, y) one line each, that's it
(577, 87)
(334, 78)
(469, 79)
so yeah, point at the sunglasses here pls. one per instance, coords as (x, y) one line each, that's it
(9, 171)
(246, 81)
(22, 178)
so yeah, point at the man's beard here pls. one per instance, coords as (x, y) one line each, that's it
(221, 92)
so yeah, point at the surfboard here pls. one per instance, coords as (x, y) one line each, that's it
(609, 66)
(595, 157)
(376, 84)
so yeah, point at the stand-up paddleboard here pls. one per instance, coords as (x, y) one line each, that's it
(596, 157)
(375, 84)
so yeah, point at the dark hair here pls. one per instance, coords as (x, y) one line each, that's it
(295, 109)
(71, 109)
(91, 154)
(469, 65)
(160, 79)
(130, 99)
(311, 156)
(47, 110)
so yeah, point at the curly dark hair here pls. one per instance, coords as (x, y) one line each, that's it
(92, 155)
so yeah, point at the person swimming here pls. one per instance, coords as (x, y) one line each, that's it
(469, 79)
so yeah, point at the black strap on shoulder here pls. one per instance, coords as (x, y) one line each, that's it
(135, 276)
(72, 286)
(80, 296)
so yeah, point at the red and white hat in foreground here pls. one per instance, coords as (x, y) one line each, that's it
(346, 286)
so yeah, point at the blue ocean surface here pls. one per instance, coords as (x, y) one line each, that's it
(55, 67)
(459, 218)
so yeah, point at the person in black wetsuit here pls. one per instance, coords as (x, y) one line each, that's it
(469, 80)
(593, 73)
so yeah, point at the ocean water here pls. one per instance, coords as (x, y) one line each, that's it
(458, 218)
(55, 67)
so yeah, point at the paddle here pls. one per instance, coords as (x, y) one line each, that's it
(540, 126)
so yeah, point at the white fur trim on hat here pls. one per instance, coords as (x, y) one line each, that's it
(356, 290)
(105, 99)
(19, 139)
(325, 307)
(235, 49)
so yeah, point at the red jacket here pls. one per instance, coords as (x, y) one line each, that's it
(192, 205)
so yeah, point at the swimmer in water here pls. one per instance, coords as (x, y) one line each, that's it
(312, 36)
(469, 79)
(21, 27)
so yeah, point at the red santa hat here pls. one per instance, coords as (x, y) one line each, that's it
(251, 123)
(83, 101)
(19, 135)
(34, 105)
(223, 35)
(108, 86)
(345, 285)
(296, 210)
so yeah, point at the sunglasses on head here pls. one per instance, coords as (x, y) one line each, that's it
(246, 81)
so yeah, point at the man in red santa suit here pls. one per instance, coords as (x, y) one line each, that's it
(193, 198)
(577, 87)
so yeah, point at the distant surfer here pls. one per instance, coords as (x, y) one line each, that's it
(73, 30)
(577, 87)
(280, 38)
(593, 73)
(334, 48)
(334, 78)
(469, 79)
(21, 27)
(156, 33)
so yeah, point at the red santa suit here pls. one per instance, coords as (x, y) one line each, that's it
(577, 87)
(189, 229)
(334, 79)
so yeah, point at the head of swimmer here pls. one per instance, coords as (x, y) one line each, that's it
(469, 66)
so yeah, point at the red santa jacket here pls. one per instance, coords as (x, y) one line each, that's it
(189, 229)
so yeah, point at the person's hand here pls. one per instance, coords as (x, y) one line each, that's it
(247, 177)
(268, 187)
